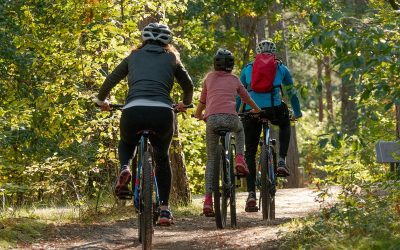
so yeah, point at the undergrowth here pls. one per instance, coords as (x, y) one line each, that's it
(26, 225)
(368, 218)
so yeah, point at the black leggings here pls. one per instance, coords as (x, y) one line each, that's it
(278, 115)
(159, 120)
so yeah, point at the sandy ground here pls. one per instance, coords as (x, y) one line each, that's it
(189, 232)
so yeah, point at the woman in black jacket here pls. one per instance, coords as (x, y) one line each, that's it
(151, 70)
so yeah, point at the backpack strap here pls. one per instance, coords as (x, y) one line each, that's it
(248, 87)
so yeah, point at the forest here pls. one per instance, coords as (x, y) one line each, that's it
(57, 149)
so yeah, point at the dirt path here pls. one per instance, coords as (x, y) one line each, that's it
(190, 232)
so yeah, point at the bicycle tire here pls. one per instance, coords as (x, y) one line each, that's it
(232, 197)
(220, 198)
(272, 187)
(264, 188)
(146, 215)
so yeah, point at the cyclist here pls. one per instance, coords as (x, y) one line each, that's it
(277, 112)
(151, 69)
(220, 88)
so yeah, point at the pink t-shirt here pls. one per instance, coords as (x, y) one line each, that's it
(219, 93)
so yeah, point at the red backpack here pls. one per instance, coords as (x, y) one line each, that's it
(263, 74)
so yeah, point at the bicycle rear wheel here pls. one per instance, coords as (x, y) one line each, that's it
(219, 189)
(146, 206)
(267, 199)
(232, 196)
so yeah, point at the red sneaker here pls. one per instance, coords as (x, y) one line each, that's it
(241, 166)
(123, 181)
(251, 203)
(208, 210)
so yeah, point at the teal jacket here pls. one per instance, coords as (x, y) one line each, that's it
(263, 100)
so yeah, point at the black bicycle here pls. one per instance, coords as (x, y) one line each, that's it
(224, 180)
(144, 188)
(266, 180)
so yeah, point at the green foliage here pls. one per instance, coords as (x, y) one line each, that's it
(193, 133)
(367, 219)
(55, 147)
(365, 46)
(14, 230)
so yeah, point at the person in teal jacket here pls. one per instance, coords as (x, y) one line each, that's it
(277, 113)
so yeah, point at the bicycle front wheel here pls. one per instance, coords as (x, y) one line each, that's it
(146, 209)
(267, 199)
(220, 189)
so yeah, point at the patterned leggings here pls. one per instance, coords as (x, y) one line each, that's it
(215, 122)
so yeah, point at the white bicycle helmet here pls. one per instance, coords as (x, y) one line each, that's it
(157, 32)
(266, 47)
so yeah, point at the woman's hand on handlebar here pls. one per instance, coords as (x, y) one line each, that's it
(181, 107)
(199, 116)
(104, 105)
(255, 111)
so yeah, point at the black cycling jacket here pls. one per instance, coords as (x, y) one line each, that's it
(151, 71)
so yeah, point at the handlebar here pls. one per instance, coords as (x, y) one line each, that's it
(262, 115)
(112, 106)
(120, 106)
(189, 106)
(252, 115)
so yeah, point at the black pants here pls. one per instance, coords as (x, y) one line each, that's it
(278, 115)
(160, 120)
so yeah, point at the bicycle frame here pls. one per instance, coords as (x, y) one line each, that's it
(145, 190)
(143, 146)
(266, 140)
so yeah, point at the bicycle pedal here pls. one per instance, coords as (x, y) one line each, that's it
(125, 195)
(282, 175)
(251, 209)
(212, 214)
(240, 175)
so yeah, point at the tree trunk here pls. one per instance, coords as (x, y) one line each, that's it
(398, 122)
(247, 25)
(293, 162)
(180, 191)
(349, 107)
(319, 91)
(152, 18)
(328, 88)
(292, 158)
(394, 5)
(279, 26)
(261, 24)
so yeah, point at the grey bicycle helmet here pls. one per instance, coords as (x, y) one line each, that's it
(266, 46)
(157, 32)
(224, 60)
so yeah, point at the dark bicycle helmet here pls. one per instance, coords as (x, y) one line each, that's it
(266, 46)
(224, 60)
(157, 32)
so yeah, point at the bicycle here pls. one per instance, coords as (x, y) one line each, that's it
(266, 178)
(224, 186)
(144, 188)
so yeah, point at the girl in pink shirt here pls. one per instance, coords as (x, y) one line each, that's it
(218, 98)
